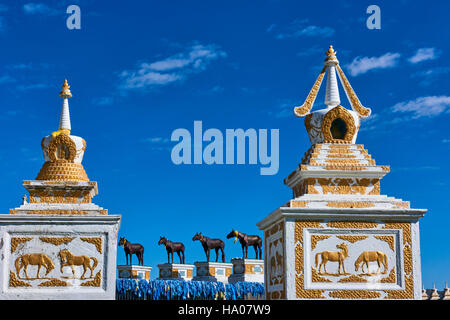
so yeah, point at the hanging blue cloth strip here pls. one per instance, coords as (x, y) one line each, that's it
(132, 289)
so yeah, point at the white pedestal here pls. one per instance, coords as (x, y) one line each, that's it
(173, 271)
(213, 271)
(134, 272)
(32, 239)
(250, 270)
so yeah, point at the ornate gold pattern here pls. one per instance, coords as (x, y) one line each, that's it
(298, 204)
(388, 239)
(352, 239)
(353, 278)
(354, 294)
(307, 105)
(62, 171)
(352, 224)
(17, 240)
(316, 238)
(55, 283)
(14, 282)
(59, 196)
(315, 277)
(94, 283)
(356, 104)
(391, 278)
(61, 139)
(59, 212)
(56, 241)
(350, 204)
(306, 294)
(344, 115)
(95, 241)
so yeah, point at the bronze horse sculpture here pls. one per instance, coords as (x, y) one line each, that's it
(172, 247)
(247, 240)
(132, 248)
(209, 244)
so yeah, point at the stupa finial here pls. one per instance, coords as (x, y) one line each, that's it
(64, 120)
(65, 92)
(331, 54)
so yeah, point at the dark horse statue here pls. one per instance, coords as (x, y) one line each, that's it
(209, 244)
(131, 248)
(247, 240)
(172, 247)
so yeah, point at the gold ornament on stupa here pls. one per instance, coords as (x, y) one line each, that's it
(63, 152)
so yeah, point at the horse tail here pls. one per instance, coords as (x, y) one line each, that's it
(317, 259)
(95, 261)
(358, 261)
(17, 263)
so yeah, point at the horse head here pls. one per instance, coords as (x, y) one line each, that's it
(232, 234)
(162, 240)
(121, 241)
(197, 236)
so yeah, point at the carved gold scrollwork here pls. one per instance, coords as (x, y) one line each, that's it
(356, 104)
(344, 115)
(302, 110)
(62, 140)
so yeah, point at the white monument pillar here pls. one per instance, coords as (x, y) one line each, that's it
(59, 245)
(339, 237)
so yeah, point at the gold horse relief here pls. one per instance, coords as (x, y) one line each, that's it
(369, 256)
(336, 256)
(35, 259)
(68, 259)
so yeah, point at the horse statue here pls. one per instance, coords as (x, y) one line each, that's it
(131, 248)
(172, 247)
(368, 256)
(247, 240)
(68, 259)
(209, 244)
(333, 256)
(34, 259)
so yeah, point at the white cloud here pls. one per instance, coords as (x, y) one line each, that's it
(171, 69)
(6, 79)
(38, 8)
(424, 54)
(429, 106)
(103, 101)
(361, 65)
(299, 28)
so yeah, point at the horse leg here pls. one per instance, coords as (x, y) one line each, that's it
(246, 252)
(207, 254)
(256, 250)
(223, 254)
(39, 269)
(217, 253)
(84, 271)
(179, 256)
(243, 252)
(25, 270)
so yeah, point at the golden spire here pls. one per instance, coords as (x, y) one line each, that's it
(331, 54)
(65, 92)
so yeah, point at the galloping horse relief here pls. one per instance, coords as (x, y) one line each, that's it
(68, 259)
(368, 256)
(132, 248)
(209, 244)
(247, 240)
(172, 247)
(338, 256)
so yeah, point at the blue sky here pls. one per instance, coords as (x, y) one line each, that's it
(140, 70)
